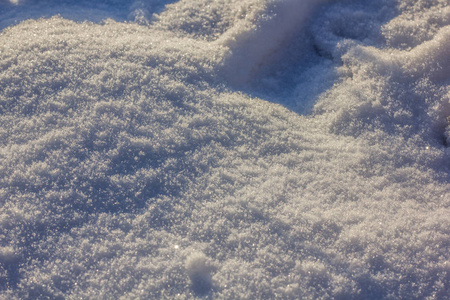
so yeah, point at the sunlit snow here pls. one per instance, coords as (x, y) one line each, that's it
(225, 149)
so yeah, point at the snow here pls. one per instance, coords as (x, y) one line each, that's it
(199, 272)
(224, 149)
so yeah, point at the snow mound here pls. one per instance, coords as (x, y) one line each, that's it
(199, 271)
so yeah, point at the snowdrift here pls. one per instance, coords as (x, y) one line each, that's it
(224, 149)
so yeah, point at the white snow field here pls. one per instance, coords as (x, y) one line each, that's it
(225, 149)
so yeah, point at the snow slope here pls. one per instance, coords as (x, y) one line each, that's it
(255, 149)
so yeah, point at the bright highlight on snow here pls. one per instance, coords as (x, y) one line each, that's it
(257, 149)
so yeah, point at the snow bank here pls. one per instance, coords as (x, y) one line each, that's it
(134, 162)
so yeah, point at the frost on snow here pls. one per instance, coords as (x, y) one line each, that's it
(225, 149)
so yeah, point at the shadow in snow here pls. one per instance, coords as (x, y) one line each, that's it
(13, 12)
(290, 55)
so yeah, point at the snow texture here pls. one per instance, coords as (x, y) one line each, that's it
(225, 149)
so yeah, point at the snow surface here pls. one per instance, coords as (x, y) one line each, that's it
(225, 149)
